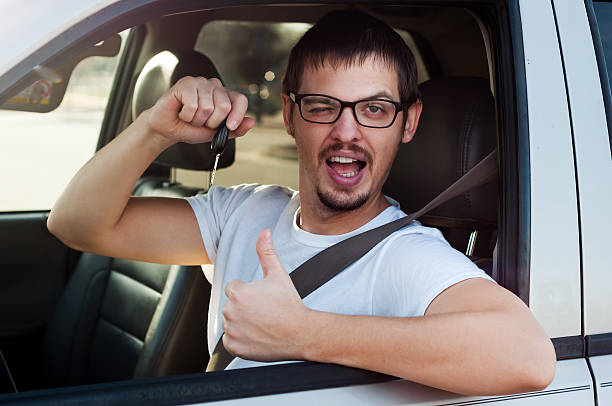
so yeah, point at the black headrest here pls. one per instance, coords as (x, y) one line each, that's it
(157, 76)
(457, 129)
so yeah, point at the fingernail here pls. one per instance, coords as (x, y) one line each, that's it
(232, 125)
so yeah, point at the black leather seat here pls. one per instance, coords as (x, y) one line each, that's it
(119, 319)
(457, 129)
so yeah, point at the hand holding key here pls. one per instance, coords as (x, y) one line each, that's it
(192, 110)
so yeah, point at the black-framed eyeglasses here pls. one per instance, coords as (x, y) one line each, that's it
(323, 109)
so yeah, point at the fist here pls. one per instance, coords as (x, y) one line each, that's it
(265, 320)
(193, 109)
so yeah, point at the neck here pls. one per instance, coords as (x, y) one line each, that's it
(318, 219)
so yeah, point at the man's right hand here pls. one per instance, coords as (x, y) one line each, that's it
(96, 212)
(193, 109)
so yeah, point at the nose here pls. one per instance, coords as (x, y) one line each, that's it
(346, 128)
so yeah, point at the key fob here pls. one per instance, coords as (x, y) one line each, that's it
(220, 139)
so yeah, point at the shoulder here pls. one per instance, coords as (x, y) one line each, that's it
(424, 247)
(418, 264)
(241, 193)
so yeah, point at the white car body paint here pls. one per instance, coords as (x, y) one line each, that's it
(554, 295)
(602, 370)
(593, 163)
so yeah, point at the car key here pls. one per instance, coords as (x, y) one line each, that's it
(218, 146)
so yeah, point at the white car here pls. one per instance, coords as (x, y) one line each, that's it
(527, 78)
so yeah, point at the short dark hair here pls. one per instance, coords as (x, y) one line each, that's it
(346, 37)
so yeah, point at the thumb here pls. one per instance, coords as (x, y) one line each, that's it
(270, 264)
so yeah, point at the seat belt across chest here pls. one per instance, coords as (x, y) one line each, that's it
(323, 266)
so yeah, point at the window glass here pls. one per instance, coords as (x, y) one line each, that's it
(603, 14)
(251, 58)
(41, 152)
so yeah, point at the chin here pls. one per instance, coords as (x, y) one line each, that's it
(341, 202)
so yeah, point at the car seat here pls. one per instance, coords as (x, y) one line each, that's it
(456, 130)
(119, 319)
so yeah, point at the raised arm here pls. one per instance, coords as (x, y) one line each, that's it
(96, 212)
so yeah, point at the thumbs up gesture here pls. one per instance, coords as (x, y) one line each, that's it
(265, 320)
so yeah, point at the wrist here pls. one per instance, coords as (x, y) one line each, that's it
(154, 138)
(314, 336)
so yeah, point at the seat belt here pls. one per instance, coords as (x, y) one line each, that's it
(7, 384)
(322, 267)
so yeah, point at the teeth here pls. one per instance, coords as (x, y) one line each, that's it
(342, 159)
(349, 174)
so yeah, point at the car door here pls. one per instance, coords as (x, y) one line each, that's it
(40, 152)
(554, 261)
(539, 256)
(587, 51)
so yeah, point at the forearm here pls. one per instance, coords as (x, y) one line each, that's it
(94, 200)
(464, 352)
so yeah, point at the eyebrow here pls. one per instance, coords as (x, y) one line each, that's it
(381, 94)
(384, 94)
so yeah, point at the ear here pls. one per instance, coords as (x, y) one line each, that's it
(287, 111)
(412, 120)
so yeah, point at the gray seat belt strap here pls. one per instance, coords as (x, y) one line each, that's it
(322, 267)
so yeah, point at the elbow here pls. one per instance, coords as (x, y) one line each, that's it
(53, 224)
(540, 371)
(59, 226)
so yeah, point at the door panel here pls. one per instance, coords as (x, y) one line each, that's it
(602, 370)
(33, 266)
(571, 386)
(554, 291)
(593, 163)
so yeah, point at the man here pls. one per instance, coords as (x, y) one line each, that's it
(412, 307)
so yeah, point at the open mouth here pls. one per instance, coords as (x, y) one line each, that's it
(345, 166)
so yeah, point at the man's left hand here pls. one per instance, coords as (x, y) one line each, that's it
(265, 320)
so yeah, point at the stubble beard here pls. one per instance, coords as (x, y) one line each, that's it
(343, 200)
(334, 202)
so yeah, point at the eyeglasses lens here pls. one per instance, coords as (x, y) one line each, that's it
(371, 113)
(320, 109)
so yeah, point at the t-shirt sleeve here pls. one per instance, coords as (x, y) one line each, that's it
(213, 209)
(416, 269)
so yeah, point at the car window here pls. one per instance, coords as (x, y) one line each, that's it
(61, 140)
(603, 15)
(268, 155)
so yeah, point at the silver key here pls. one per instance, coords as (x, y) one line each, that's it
(214, 170)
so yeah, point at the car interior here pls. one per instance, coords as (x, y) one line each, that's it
(114, 319)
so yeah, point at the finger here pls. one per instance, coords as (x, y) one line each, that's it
(193, 135)
(270, 264)
(228, 344)
(243, 128)
(231, 287)
(240, 103)
(187, 94)
(205, 107)
(222, 107)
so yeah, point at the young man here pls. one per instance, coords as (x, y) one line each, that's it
(412, 307)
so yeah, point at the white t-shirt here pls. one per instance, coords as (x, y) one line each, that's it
(399, 277)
